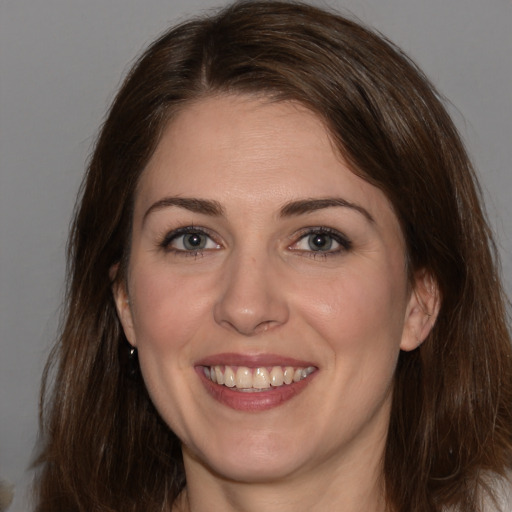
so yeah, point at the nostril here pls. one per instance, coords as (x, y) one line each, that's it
(264, 326)
(249, 329)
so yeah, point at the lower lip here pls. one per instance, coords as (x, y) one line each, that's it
(253, 401)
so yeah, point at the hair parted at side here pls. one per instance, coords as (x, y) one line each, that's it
(103, 445)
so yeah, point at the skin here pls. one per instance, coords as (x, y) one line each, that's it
(258, 288)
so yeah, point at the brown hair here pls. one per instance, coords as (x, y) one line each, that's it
(104, 446)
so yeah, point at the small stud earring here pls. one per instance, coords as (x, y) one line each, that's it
(129, 360)
(133, 363)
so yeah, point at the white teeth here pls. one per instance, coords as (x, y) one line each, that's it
(288, 375)
(262, 378)
(219, 376)
(307, 371)
(297, 375)
(243, 378)
(276, 376)
(229, 377)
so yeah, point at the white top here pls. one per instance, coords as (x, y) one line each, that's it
(502, 488)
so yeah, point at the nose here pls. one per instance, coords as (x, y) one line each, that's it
(252, 297)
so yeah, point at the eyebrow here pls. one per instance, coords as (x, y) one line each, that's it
(204, 206)
(293, 208)
(304, 206)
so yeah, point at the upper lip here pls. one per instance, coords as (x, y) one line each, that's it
(253, 360)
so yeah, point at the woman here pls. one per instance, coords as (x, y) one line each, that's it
(282, 292)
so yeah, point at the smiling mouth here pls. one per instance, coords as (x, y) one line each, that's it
(245, 379)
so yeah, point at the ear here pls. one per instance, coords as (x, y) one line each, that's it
(123, 305)
(422, 310)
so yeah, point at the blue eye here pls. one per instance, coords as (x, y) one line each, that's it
(322, 241)
(191, 241)
(188, 239)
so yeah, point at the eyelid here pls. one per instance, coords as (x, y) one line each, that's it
(172, 235)
(344, 242)
(341, 239)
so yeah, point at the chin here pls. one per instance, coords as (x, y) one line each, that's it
(251, 459)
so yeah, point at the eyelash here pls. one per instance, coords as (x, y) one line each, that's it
(169, 238)
(344, 243)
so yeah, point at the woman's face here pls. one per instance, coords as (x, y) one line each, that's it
(260, 260)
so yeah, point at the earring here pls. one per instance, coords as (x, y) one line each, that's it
(133, 363)
(129, 360)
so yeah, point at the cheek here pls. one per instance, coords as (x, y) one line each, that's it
(168, 314)
(167, 309)
(358, 310)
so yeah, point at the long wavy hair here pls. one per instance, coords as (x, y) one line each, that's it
(103, 445)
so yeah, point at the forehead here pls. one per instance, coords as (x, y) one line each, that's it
(235, 147)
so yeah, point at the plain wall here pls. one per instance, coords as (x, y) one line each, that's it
(60, 64)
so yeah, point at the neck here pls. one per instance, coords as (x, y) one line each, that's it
(352, 487)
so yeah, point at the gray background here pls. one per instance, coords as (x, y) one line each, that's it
(60, 64)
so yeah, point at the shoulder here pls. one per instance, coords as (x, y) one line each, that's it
(495, 494)
(501, 489)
